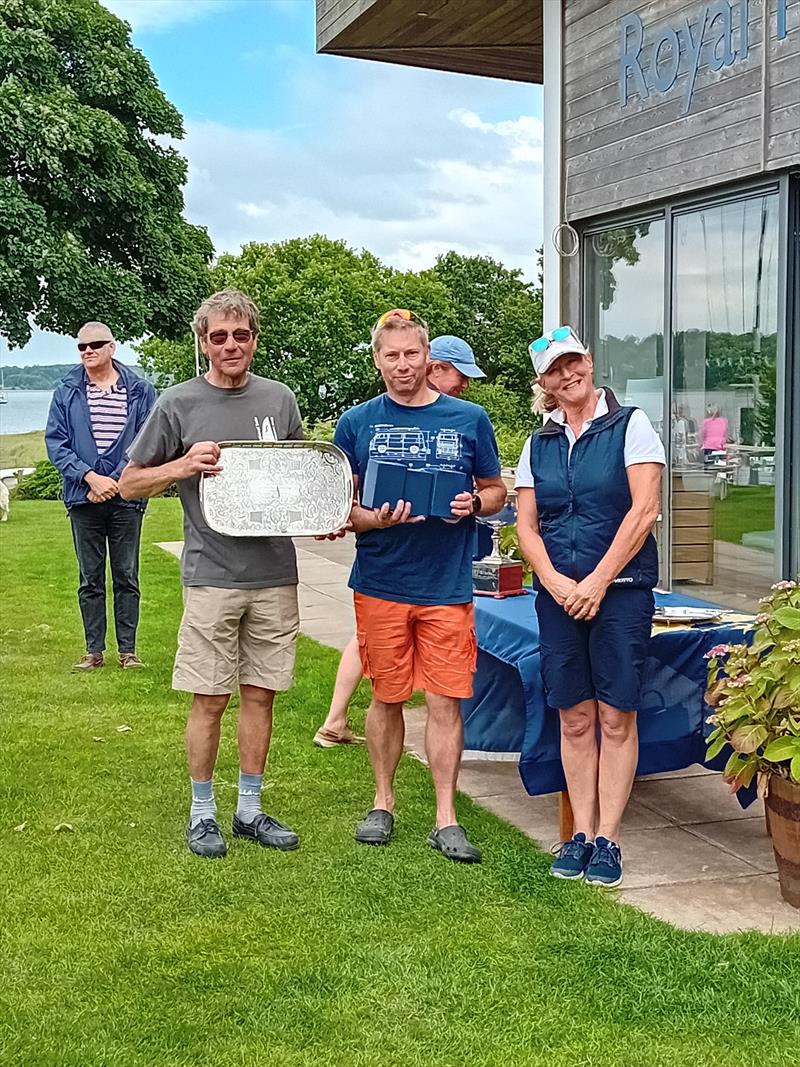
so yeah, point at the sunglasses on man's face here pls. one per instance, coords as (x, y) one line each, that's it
(400, 313)
(94, 345)
(241, 337)
(541, 344)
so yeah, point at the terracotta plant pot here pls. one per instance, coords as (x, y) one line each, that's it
(783, 819)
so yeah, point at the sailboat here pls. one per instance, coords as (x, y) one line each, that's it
(3, 397)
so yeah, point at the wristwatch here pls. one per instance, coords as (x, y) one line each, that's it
(476, 504)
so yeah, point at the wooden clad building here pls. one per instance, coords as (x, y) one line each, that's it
(672, 233)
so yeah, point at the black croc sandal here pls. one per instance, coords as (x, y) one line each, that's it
(375, 828)
(452, 841)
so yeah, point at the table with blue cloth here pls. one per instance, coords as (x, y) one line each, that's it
(508, 713)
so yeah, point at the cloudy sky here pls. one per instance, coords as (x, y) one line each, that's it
(282, 142)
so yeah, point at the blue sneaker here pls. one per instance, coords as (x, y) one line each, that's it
(605, 867)
(573, 858)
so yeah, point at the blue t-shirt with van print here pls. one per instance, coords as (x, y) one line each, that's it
(426, 562)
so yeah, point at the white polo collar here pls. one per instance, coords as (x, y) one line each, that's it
(601, 408)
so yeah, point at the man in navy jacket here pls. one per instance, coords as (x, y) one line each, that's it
(96, 411)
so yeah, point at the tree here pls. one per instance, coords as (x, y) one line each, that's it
(318, 299)
(90, 199)
(497, 312)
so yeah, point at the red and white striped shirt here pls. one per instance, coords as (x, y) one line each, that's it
(108, 412)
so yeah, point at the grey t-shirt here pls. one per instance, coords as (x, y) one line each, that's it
(198, 411)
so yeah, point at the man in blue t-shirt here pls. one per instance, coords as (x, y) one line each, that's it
(412, 577)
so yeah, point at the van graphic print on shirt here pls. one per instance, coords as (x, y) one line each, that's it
(410, 443)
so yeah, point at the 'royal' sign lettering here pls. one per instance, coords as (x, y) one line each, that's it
(717, 38)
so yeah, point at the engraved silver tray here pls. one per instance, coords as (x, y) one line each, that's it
(277, 489)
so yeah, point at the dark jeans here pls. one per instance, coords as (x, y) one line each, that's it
(92, 526)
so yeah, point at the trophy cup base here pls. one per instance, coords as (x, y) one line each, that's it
(497, 578)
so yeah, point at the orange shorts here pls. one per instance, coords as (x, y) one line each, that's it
(416, 646)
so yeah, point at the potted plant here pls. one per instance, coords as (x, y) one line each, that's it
(754, 689)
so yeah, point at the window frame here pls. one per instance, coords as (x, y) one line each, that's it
(786, 187)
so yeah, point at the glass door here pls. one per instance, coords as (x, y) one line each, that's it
(624, 315)
(723, 399)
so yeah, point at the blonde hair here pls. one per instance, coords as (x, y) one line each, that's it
(228, 302)
(396, 323)
(542, 402)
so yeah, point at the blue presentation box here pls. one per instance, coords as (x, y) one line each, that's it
(428, 489)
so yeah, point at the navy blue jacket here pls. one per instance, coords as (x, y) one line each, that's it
(582, 499)
(69, 439)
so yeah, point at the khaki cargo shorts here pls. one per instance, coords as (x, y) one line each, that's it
(233, 637)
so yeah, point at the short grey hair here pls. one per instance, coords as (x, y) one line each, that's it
(228, 302)
(96, 326)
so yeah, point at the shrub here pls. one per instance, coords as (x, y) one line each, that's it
(43, 484)
(321, 430)
(755, 692)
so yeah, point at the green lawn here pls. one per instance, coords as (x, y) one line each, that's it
(746, 508)
(119, 949)
(22, 449)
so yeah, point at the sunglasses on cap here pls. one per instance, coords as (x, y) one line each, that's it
(94, 345)
(241, 336)
(400, 313)
(541, 344)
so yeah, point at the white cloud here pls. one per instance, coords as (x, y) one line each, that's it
(394, 161)
(162, 14)
(406, 163)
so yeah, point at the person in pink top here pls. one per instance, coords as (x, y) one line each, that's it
(715, 431)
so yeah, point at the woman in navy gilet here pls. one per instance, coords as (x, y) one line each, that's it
(588, 495)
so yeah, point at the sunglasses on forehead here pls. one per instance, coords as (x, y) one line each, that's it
(541, 344)
(400, 313)
(241, 336)
(94, 345)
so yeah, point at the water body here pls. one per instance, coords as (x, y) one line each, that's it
(26, 410)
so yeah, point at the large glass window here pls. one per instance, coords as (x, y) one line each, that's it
(625, 278)
(724, 322)
(707, 380)
(624, 270)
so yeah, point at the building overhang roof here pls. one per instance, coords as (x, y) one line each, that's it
(498, 39)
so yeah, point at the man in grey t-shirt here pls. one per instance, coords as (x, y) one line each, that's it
(240, 618)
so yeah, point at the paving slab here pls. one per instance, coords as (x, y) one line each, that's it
(694, 799)
(719, 906)
(746, 838)
(670, 855)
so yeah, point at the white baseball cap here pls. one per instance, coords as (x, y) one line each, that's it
(545, 350)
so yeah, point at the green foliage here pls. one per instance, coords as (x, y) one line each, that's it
(90, 198)
(43, 484)
(322, 430)
(766, 403)
(510, 546)
(318, 299)
(511, 416)
(755, 691)
(509, 444)
(497, 312)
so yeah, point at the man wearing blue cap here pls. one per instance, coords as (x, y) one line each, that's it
(451, 365)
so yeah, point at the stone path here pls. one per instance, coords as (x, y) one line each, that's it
(692, 856)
